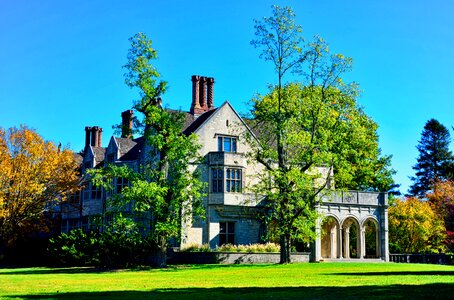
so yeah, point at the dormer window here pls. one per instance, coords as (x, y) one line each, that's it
(227, 143)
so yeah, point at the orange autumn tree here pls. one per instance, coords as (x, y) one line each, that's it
(442, 200)
(34, 176)
(414, 227)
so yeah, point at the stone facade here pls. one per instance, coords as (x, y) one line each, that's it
(231, 213)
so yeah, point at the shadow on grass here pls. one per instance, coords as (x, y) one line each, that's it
(399, 273)
(438, 291)
(39, 271)
(83, 270)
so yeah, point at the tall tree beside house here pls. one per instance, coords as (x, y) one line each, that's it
(308, 129)
(435, 161)
(166, 186)
(35, 176)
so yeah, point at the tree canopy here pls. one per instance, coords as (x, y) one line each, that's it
(165, 187)
(309, 129)
(435, 160)
(35, 175)
(414, 227)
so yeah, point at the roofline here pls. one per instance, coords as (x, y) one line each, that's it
(236, 113)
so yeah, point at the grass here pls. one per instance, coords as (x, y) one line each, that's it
(294, 281)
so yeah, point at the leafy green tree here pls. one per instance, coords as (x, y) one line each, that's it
(166, 187)
(303, 127)
(414, 227)
(435, 160)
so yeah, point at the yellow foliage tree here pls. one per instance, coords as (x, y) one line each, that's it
(414, 227)
(34, 176)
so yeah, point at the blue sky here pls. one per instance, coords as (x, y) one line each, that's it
(61, 61)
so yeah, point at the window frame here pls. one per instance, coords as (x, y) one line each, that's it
(233, 180)
(217, 180)
(226, 236)
(230, 140)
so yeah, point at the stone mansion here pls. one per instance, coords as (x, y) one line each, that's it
(354, 224)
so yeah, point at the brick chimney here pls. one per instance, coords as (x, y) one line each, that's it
(202, 94)
(126, 123)
(210, 81)
(93, 136)
(87, 136)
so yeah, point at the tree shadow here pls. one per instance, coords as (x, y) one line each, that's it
(40, 271)
(438, 291)
(402, 273)
(83, 270)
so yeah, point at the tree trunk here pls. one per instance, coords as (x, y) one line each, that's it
(158, 256)
(284, 241)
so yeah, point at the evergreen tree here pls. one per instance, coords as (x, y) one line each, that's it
(435, 161)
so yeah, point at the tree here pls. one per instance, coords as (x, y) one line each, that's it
(442, 200)
(306, 129)
(35, 175)
(165, 187)
(414, 227)
(435, 161)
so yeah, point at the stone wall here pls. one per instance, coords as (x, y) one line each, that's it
(232, 258)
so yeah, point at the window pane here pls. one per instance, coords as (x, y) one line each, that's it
(227, 144)
(231, 239)
(215, 173)
(228, 185)
(230, 227)
(228, 173)
(223, 227)
(221, 173)
(222, 239)
(233, 144)
(215, 186)
(219, 143)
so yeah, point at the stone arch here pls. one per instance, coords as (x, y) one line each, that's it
(370, 233)
(351, 237)
(330, 237)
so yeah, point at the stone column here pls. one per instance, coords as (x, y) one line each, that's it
(339, 243)
(347, 243)
(318, 242)
(332, 242)
(363, 242)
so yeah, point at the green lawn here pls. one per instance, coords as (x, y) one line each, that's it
(294, 281)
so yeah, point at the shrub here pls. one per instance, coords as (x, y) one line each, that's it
(194, 247)
(253, 248)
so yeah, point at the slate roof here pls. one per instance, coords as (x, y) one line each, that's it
(197, 122)
(99, 155)
(129, 149)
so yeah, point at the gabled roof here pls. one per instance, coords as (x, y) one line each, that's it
(195, 124)
(129, 149)
(99, 153)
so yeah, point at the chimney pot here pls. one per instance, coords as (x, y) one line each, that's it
(210, 93)
(94, 136)
(195, 106)
(126, 123)
(203, 93)
(87, 136)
